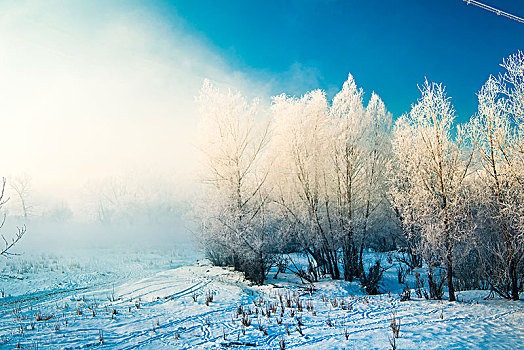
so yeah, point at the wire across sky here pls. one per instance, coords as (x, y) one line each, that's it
(494, 10)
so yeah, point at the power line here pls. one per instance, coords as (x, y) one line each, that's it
(494, 10)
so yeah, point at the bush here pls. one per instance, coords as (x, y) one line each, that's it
(371, 281)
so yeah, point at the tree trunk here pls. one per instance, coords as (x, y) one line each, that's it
(311, 268)
(329, 262)
(331, 259)
(260, 270)
(514, 280)
(347, 275)
(236, 262)
(335, 266)
(431, 284)
(449, 268)
(348, 261)
(360, 271)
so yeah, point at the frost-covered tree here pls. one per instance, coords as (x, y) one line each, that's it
(300, 175)
(497, 131)
(347, 158)
(329, 173)
(377, 152)
(235, 225)
(359, 154)
(435, 165)
(400, 168)
(5, 251)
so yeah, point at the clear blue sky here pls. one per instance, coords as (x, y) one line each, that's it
(389, 46)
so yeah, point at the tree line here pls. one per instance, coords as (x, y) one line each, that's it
(331, 178)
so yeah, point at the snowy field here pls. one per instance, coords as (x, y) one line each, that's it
(166, 300)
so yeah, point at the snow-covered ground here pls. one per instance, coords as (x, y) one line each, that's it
(162, 300)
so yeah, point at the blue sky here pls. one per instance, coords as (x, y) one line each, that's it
(389, 46)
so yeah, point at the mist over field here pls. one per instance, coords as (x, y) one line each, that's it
(98, 115)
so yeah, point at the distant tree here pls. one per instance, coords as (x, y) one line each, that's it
(108, 199)
(59, 212)
(131, 199)
(22, 187)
